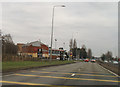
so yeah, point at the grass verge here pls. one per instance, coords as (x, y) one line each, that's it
(11, 66)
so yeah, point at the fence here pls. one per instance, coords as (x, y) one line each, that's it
(22, 58)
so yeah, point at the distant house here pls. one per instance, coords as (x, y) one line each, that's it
(20, 45)
(35, 49)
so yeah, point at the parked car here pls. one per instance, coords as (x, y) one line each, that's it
(115, 62)
(93, 60)
(106, 61)
(86, 60)
(58, 58)
(80, 59)
(76, 59)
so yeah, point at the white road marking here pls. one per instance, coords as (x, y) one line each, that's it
(108, 70)
(8, 75)
(73, 74)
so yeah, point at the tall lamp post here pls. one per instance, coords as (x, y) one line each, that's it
(52, 28)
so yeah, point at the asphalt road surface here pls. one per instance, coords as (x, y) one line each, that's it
(77, 74)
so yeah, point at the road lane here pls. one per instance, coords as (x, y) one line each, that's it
(84, 74)
(73, 74)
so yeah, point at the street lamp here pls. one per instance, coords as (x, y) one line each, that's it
(52, 28)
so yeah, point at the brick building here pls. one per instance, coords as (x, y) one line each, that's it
(35, 49)
(38, 49)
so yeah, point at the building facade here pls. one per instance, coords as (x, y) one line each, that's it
(35, 49)
(56, 53)
(38, 50)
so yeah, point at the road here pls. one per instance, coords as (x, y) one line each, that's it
(78, 74)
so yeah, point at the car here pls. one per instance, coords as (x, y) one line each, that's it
(105, 61)
(76, 59)
(86, 60)
(80, 59)
(58, 58)
(115, 62)
(93, 60)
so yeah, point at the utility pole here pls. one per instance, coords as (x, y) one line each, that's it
(52, 28)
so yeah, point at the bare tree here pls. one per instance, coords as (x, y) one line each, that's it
(7, 38)
(109, 56)
(75, 44)
(103, 57)
(83, 53)
(71, 44)
(84, 47)
(8, 47)
(89, 53)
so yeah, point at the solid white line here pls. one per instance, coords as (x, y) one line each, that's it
(108, 70)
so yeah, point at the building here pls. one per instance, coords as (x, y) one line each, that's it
(20, 45)
(56, 52)
(35, 49)
(38, 49)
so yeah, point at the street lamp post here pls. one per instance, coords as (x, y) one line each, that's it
(52, 28)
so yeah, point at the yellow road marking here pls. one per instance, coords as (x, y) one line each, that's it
(76, 74)
(80, 71)
(92, 72)
(24, 83)
(67, 78)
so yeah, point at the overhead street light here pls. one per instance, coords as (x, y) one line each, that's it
(52, 28)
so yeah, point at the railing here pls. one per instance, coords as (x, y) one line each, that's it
(23, 58)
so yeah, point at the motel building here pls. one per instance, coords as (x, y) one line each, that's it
(56, 53)
(35, 49)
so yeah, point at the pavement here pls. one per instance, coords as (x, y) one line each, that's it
(80, 74)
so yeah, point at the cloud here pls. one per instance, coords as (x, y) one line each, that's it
(92, 24)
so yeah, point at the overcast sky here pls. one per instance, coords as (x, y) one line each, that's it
(94, 24)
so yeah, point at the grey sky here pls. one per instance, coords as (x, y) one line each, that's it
(93, 24)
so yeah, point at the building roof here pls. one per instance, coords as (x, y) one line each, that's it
(56, 49)
(20, 44)
(35, 43)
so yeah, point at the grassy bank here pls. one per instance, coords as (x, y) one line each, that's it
(9, 66)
